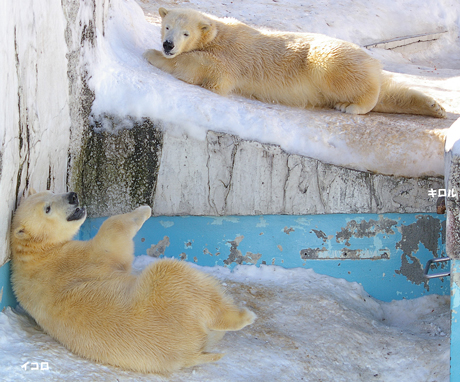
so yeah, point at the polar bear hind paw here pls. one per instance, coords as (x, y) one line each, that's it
(351, 108)
(437, 109)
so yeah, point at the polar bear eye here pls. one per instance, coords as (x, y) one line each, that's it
(186, 34)
(47, 209)
(167, 28)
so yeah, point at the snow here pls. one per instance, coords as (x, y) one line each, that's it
(126, 85)
(309, 327)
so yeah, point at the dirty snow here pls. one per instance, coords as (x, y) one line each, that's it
(310, 327)
(125, 84)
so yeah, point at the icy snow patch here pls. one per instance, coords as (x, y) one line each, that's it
(309, 327)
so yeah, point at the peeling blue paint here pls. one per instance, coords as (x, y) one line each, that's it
(413, 235)
(385, 253)
(166, 223)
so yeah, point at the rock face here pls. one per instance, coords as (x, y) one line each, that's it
(115, 173)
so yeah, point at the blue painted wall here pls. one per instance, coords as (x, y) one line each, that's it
(7, 298)
(385, 253)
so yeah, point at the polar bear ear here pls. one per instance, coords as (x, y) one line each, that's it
(205, 27)
(31, 191)
(163, 12)
(20, 233)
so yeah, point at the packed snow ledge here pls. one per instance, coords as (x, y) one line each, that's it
(126, 85)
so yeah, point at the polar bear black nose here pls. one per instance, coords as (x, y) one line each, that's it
(73, 198)
(168, 46)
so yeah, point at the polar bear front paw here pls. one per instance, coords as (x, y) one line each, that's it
(154, 57)
(142, 213)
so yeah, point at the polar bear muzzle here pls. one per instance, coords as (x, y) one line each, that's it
(168, 46)
(78, 213)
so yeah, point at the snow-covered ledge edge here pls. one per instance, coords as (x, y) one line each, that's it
(226, 175)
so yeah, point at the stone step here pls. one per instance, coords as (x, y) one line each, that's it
(226, 175)
(408, 44)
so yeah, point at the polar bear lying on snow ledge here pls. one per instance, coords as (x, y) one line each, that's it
(295, 69)
(84, 295)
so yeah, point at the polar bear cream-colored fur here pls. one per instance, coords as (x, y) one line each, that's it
(295, 69)
(84, 294)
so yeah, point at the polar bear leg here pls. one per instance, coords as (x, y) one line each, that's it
(400, 99)
(351, 108)
(115, 237)
(126, 225)
(156, 58)
(195, 68)
(232, 319)
(362, 104)
(203, 358)
(214, 336)
(397, 97)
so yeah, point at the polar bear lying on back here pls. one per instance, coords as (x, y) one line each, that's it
(296, 69)
(83, 293)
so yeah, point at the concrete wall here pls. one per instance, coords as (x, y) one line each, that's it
(225, 175)
(452, 184)
(42, 99)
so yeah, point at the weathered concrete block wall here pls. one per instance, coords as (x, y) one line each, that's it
(225, 175)
(116, 173)
(42, 97)
(452, 186)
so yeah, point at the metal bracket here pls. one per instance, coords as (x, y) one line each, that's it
(434, 275)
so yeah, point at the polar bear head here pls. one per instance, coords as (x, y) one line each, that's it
(183, 30)
(47, 218)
